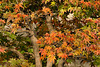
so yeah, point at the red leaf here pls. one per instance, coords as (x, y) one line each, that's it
(97, 52)
(39, 42)
(46, 34)
(2, 21)
(70, 54)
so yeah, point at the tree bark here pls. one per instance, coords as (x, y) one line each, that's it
(49, 64)
(60, 63)
(50, 27)
(35, 47)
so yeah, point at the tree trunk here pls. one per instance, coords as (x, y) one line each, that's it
(50, 27)
(60, 64)
(35, 47)
(49, 64)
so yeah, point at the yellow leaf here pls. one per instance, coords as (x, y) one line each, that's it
(69, 48)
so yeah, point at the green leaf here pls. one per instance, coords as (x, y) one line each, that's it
(84, 27)
(69, 60)
(32, 65)
(30, 50)
(22, 51)
(41, 45)
(4, 60)
(57, 61)
(53, 3)
(12, 36)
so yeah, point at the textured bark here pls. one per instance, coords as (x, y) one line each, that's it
(49, 64)
(50, 27)
(60, 64)
(35, 48)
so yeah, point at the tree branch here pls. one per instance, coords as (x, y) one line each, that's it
(15, 51)
(50, 27)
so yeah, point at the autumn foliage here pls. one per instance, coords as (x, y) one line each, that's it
(82, 43)
(46, 29)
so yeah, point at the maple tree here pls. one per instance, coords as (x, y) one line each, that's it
(51, 31)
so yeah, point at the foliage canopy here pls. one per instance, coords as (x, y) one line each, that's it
(48, 31)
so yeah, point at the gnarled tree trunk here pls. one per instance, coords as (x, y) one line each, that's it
(35, 47)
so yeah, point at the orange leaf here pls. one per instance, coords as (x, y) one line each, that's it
(48, 47)
(47, 10)
(7, 7)
(39, 42)
(24, 16)
(97, 52)
(46, 34)
(64, 44)
(70, 54)
(2, 21)
(69, 48)
(0, 2)
(2, 50)
(62, 55)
